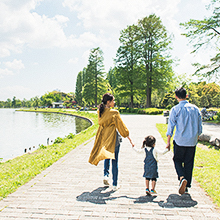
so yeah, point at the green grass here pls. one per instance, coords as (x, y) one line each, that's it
(206, 168)
(18, 171)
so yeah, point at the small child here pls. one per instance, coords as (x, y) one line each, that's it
(150, 162)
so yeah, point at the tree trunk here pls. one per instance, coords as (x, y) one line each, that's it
(132, 101)
(149, 79)
(96, 86)
(148, 101)
(132, 96)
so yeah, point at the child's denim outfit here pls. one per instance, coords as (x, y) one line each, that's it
(150, 165)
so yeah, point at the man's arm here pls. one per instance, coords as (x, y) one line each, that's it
(170, 127)
(168, 142)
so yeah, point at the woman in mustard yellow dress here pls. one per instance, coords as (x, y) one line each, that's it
(107, 142)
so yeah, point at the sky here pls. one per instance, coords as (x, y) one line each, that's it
(44, 44)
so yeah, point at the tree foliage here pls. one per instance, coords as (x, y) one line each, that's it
(79, 88)
(128, 72)
(45, 100)
(206, 33)
(90, 83)
(154, 47)
(143, 63)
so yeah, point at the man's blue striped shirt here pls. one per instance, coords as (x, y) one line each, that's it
(186, 118)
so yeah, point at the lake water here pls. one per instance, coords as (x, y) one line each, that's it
(24, 130)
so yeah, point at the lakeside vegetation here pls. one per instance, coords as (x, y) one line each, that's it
(206, 171)
(18, 171)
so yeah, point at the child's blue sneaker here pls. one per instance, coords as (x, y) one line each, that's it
(147, 191)
(153, 191)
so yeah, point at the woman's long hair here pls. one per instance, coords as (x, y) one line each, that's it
(149, 141)
(106, 97)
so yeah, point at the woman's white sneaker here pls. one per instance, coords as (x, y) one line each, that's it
(115, 188)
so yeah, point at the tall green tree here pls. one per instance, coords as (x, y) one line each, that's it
(128, 71)
(154, 44)
(14, 101)
(95, 84)
(84, 79)
(37, 101)
(79, 88)
(111, 78)
(206, 33)
(112, 85)
(8, 103)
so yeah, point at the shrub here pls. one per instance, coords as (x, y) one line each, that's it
(93, 109)
(42, 146)
(141, 111)
(58, 140)
(153, 111)
(148, 111)
(70, 136)
(122, 109)
(218, 117)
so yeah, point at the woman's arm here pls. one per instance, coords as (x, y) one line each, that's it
(130, 141)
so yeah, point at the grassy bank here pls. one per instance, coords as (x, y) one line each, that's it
(18, 171)
(206, 168)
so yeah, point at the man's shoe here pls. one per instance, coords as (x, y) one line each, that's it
(105, 181)
(182, 187)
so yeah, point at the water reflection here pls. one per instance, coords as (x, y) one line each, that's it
(81, 124)
(23, 130)
(57, 120)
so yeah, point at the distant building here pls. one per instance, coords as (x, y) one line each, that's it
(57, 104)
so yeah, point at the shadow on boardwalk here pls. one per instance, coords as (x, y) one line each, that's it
(100, 196)
(97, 196)
(174, 200)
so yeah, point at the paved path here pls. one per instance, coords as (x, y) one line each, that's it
(72, 188)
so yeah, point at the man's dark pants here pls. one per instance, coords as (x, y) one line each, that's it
(184, 160)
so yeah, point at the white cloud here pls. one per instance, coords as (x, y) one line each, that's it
(118, 14)
(61, 19)
(108, 14)
(87, 39)
(73, 60)
(85, 56)
(15, 64)
(105, 19)
(22, 26)
(5, 72)
(207, 2)
(19, 91)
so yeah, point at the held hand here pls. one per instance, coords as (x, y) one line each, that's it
(130, 141)
(168, 142)
(168, 146)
